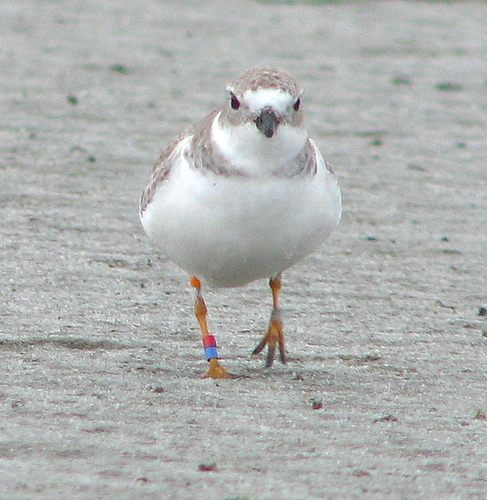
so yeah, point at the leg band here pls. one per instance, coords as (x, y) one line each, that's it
(211, 353)
(209, 343)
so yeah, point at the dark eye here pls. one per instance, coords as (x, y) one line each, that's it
(234, 102)
(297, 104)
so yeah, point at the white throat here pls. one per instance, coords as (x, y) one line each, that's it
(248, 150)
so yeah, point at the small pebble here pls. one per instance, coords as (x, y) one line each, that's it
(386, 418)
(415, 166)
(448, 87)
(142, 480)
(119, 68)
(72, 99)
(401, 80)
(316, 404)
(207, 467)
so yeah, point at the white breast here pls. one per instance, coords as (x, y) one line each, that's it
(230, 231)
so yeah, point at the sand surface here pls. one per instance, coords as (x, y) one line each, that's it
(100, 357)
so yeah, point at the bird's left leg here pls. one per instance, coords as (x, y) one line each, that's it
(274, 336)
(215, 369)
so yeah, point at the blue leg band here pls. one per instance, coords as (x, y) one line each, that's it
(211, 353)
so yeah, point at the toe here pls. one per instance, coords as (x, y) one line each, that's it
(272, 339)
(271, 353)
(217, 371)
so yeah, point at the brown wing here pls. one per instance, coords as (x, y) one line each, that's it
(304, 163)
(310, 159)
(161, 171)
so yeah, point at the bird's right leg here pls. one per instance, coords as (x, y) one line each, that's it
(215, 369)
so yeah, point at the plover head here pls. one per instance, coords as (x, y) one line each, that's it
(262, 120)
(265, 97)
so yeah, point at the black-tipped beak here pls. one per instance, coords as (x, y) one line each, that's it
(267, 122)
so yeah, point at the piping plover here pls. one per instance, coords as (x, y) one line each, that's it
(241, 196)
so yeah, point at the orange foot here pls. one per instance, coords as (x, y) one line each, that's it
(273, 337)
(216, 370)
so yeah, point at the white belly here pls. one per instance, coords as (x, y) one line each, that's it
(229, 231)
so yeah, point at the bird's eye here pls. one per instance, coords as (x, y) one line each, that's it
(297, 104)
(234, 102)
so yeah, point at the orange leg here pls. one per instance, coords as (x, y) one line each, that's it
(215, 369)
(274, 336)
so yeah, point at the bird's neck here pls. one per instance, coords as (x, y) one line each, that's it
(247, 150)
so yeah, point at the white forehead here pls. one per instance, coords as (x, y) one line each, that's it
(276, 98)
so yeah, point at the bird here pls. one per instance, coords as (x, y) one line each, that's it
(242, 195)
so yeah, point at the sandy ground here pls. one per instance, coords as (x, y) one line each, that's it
(100, 357)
